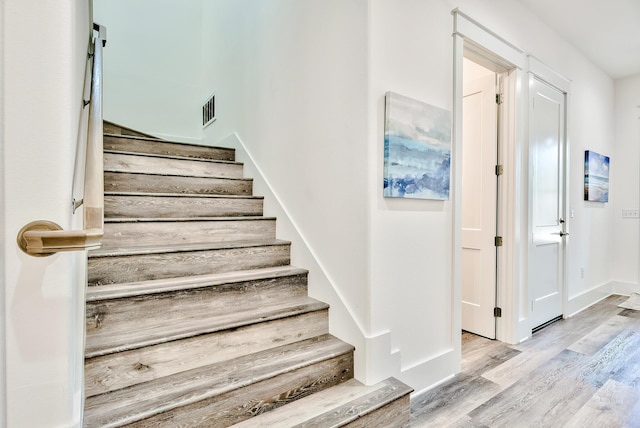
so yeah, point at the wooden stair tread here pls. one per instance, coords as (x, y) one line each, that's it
(167, 156)
(182, 195)
(172, 181)
(196, 323)
(168, 231)
(156, 163)
(160, 140)
(179, 248)
(173, 174)
(145, 400)
(185, 219)
(169, 205)
(165, 285)
(333, 407)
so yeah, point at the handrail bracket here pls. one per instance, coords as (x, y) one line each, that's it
(43, 238)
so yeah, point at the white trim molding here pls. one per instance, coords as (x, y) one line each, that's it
(543, 72)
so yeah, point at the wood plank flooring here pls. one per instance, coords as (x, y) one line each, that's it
(580, 372)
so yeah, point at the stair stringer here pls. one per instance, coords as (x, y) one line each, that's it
(374, 358)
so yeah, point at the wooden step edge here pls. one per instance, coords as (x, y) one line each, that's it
(165, 285)
(333, 407)
(160, 140)
(220, 176)
(186, 219)
(182, 195)
(150, 174)
(369, 408)
(173, 157)
(183, 248)
(202, 325)
(137, 403)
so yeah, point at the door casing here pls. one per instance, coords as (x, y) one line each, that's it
(479, 43)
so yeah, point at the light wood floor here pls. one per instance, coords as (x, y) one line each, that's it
(579, 372)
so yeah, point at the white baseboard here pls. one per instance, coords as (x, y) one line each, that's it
(624, 288)
(432, 372)
(416, 393)
(588, 298)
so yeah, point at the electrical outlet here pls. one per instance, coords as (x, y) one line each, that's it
(630, 213)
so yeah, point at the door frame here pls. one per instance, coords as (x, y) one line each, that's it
(480, 44)
(482, 311)
(472, 38)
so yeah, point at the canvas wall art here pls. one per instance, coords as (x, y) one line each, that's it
(596, 177)
(417, 149)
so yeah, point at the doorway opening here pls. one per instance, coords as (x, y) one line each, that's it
(504, 300)
(480, 190)
(487, 209)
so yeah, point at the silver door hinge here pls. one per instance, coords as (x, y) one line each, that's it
(498, 241)
(499, 169)
(497, 312)
(499, 99)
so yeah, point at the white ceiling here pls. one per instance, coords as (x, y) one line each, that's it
(605, 31)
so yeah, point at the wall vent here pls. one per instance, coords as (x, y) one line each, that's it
(209, 111)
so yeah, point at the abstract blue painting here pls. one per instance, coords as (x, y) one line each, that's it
(417, 149)
(596, 177)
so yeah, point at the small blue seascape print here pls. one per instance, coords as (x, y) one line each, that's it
(417, 149)
(596, 177)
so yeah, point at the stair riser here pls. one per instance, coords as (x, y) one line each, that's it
(117, 322)
(183, 232)
(153, 183)
(120, 370)
(130, 268)
(126, 206)
(165, 148)
(120, 162)
(236, 406)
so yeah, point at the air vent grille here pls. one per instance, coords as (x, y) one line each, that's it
(209, 111)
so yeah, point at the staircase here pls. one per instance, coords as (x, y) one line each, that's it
(195, 316)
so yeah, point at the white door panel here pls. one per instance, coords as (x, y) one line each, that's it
(479, 207)
(547, 145)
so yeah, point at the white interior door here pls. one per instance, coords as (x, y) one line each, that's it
(547, 149)
(479, 153)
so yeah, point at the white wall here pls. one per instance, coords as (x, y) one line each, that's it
(152, 65)
(625, 257)
(44, 57)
